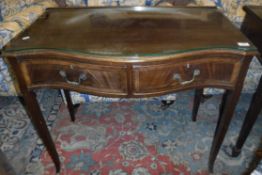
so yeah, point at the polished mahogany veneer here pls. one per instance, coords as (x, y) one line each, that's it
(130, 52)
(129, 32)
(131, 79)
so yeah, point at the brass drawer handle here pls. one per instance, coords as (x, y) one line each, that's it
(177, 77)
(81, 78)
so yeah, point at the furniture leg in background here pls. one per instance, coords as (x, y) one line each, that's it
(197, 99)
(71, 108)
(251, 116)
(252, 28)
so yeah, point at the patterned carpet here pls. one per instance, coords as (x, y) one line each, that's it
(137, 138)
(17, 136)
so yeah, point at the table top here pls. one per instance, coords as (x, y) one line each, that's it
(130, 31)
(254, 10)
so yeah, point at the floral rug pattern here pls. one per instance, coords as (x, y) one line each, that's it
(140, 138)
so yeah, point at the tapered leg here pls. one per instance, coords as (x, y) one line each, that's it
(197, 100)
(221, 109)
(251, 116)
(231, 99)
(39, 123)
(71, 108)
(222, 104)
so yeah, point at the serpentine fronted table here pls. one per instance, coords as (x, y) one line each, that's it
(130, 52)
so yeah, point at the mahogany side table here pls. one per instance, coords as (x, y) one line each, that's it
(130, 52)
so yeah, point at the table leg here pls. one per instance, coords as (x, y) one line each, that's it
(71, 108)
(231, 99)
(197, 99)
(229, 102)
(221, 109)
(35, 114)
(222, 104)
(251, 116)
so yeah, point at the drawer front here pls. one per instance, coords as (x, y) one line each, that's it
(89, 78)
(163, 78)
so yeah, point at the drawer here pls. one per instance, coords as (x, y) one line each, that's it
(164, 78)
(89, 78)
